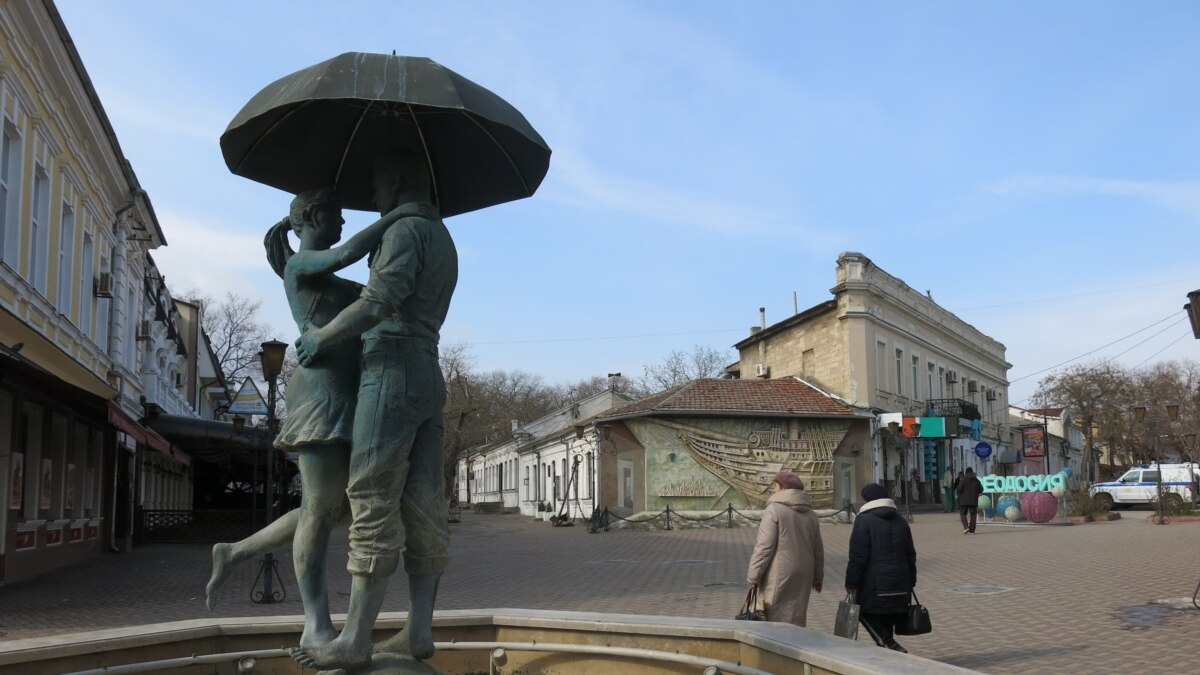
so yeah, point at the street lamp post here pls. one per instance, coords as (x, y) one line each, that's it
(903, 447)
(1139, 414)
(271, 359)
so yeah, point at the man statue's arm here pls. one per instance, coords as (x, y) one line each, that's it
(359, 317)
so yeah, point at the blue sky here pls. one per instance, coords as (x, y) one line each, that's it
(1032, 164)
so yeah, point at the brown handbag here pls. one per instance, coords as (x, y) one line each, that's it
(752, 609)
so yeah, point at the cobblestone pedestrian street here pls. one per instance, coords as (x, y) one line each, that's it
(1069, 599)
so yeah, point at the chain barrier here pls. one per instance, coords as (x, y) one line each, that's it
(602, 518)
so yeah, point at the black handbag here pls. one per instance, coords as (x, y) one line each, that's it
(916, 620)
(752, 610)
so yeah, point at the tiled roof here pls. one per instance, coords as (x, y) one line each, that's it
(785, 396)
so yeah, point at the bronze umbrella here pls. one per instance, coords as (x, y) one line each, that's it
(324, 126)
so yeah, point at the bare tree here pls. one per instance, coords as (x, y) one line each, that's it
(1164, 384)
(1103, 395)
(1095, 393)
(565, 394)
(680, 367)
(480, 407)
(235, 332)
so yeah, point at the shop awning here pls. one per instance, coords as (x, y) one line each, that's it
(147, 437)
(212, 440)
(123, 422)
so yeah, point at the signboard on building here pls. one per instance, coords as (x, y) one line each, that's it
(1033, 441)
(248, 401)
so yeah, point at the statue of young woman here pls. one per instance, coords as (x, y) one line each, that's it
(320, 399)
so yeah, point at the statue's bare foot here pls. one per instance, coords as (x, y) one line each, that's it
(403, 642)
(222, 567)
(316, 636)
(333, 655)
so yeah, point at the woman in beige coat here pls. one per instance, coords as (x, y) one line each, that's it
(789, 559)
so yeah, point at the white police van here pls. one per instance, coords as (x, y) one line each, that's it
(1139, 485)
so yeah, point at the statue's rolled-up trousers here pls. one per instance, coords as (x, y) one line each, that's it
(396, 482)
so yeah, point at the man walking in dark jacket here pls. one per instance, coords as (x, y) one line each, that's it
(882, 569)
(968, 491)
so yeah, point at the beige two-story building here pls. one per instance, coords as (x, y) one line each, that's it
(883, 346)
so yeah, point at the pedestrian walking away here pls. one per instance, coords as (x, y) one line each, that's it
(789, 558)
(882, 566)
(948, 490)
(968, 492)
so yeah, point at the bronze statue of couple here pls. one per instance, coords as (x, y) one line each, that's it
(364, 412)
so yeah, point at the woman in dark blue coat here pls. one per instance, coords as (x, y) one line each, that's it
(882, 570)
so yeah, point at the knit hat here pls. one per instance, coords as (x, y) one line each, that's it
(789, 481)
(873, 491)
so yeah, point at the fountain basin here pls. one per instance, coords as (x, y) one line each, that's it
(765, 646)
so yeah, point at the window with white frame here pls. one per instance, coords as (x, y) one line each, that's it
(916, 379)
(881, 365)
(899, 371)
(85, 285)
(66, 260)
(38, 229)
(929, 390)
(10, 193)
(103, 305)
(134, 316)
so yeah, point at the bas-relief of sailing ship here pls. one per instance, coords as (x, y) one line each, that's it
(750, 465)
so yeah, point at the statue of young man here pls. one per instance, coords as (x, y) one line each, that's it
(396, 484)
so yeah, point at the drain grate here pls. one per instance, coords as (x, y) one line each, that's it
(725, 583)
(687, 562)
(610, 562)
(981, 590)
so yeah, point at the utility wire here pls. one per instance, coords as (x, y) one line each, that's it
(1164, 348)
(608, 337)
(1039, 372)
(1071, 297)
(1108, 360)
(1113, 358)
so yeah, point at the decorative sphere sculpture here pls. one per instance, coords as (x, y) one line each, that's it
(1012, 513)
(1003, 504)
(1057, 491)
(1040, 507)
(1067, 471)
(985, 502)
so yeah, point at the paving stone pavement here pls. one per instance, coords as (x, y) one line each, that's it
(1069, 599)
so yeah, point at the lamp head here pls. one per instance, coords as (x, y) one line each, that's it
(271, 357)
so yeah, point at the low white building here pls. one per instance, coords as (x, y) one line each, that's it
(551, 461)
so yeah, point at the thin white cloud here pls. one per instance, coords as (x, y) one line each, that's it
(1181, 196)
(576, 182)
(145, 113)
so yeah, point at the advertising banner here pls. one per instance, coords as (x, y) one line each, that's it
(1033, 441)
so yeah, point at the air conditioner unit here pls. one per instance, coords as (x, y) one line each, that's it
(102, 286)
(951, 377)
(990, 395)
(762, 370)
(143, 330)
(972, 387)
